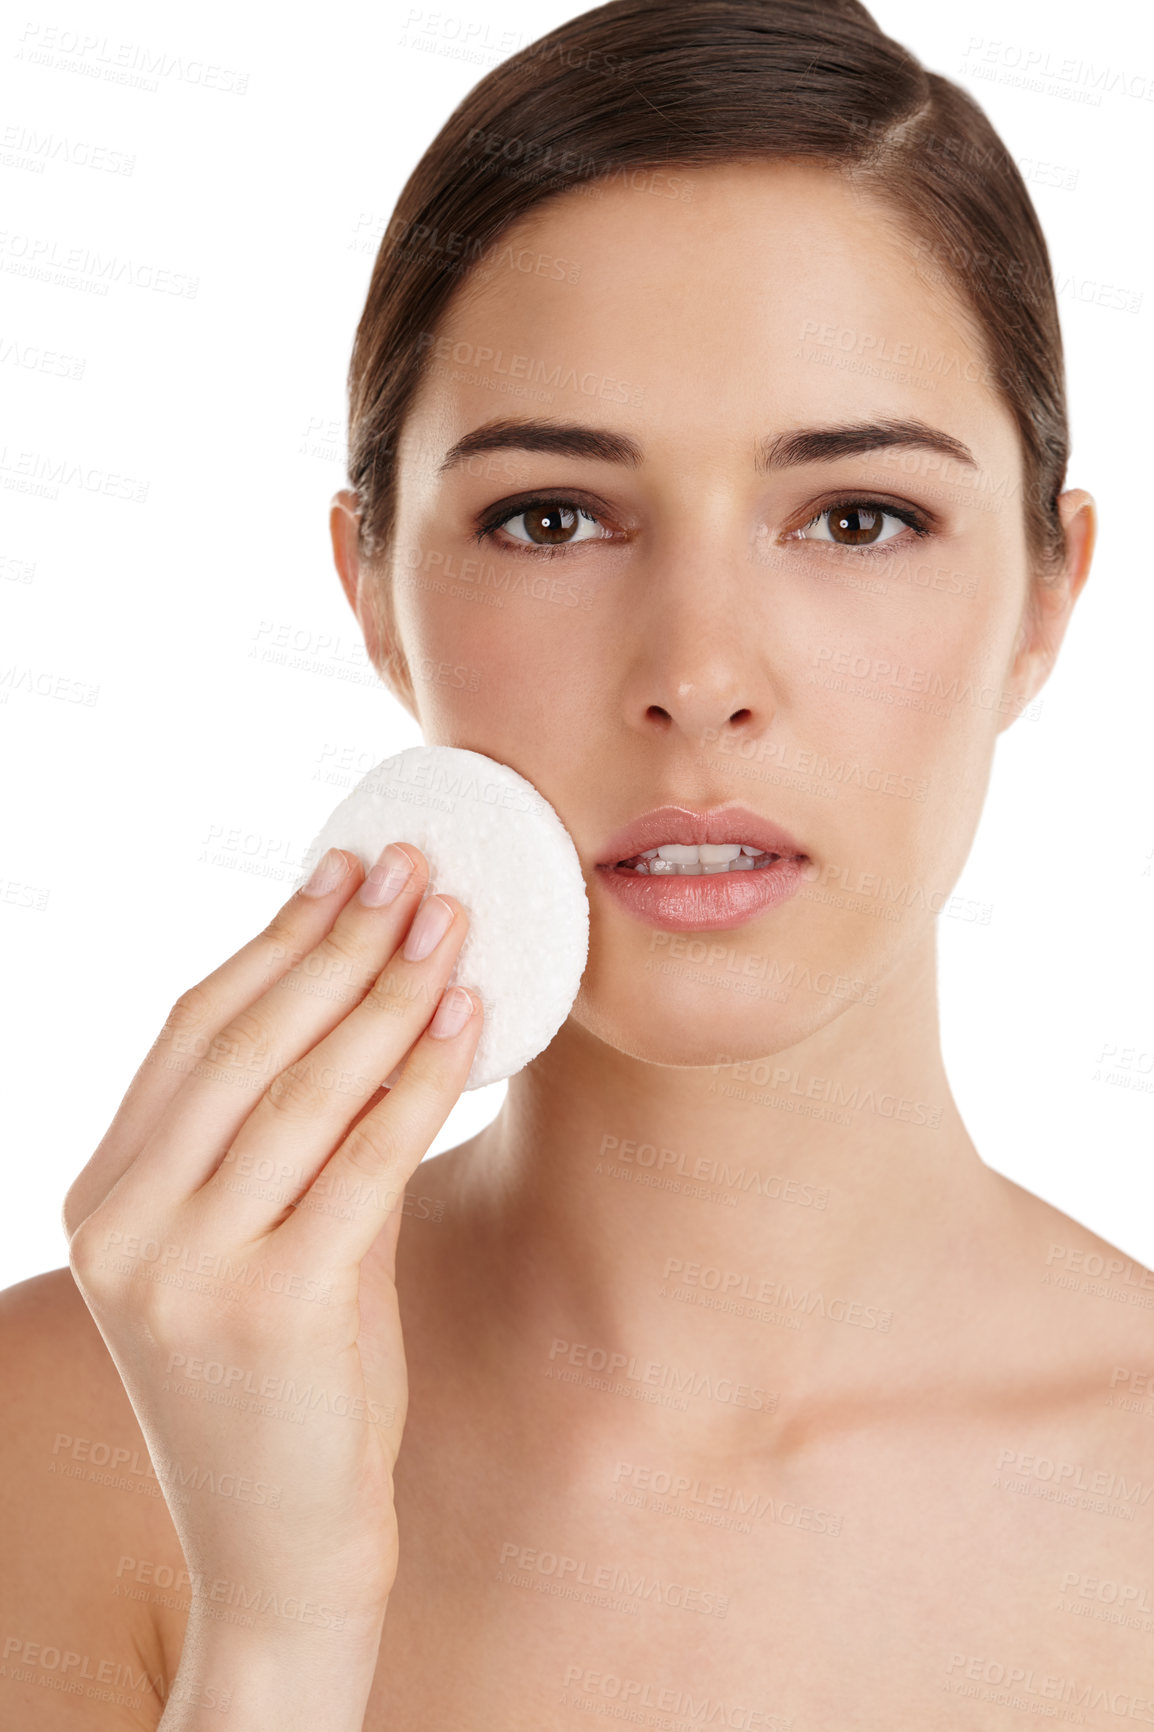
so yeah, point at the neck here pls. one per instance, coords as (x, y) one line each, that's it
(784, 1218)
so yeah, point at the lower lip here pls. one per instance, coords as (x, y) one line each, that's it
(705, 902)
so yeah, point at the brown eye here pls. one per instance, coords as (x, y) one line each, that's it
(854, 526)
(548, 524)
(860, 523)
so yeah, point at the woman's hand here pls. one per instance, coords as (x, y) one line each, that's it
(234, 1236)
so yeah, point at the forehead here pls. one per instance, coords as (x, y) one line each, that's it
(752, 296)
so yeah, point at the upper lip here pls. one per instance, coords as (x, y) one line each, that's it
(682, 824)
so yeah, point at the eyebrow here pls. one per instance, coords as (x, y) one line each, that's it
(786, 450)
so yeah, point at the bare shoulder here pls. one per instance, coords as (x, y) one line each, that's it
(1087, 1321)
(80, 1514)
(1104, 1296)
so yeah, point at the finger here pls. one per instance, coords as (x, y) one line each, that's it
(265, 1037)
(361, 1187)
(310, 1107)
(195, 1020)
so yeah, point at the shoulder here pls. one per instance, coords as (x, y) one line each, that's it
(1087, 1312)
(80, 1513)
(1103, 1295)
(47, 1314)
(55, 1367)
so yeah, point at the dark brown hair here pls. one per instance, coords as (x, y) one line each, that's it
(652, 84)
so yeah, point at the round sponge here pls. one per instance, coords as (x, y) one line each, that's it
(497, 845)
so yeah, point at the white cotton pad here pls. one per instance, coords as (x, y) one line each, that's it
(497, 845)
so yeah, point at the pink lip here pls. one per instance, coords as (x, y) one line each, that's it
(712, 901)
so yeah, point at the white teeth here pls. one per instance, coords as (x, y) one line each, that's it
(655, 865)
(709, 853)
(690, 860)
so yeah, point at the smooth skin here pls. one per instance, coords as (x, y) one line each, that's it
(634, 1462)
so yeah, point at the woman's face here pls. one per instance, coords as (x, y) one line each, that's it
(831, 639)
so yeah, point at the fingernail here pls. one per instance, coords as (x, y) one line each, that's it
(434, 918)
(387, 878)
(452, 1014)
(327, 873)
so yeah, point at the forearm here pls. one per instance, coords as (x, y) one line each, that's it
(233, 1680)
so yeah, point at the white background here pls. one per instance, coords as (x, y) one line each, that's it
(229, 404)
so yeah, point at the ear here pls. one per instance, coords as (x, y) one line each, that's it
(363, 590)
(1050, 603)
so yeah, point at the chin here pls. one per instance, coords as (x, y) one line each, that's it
(685, 1026)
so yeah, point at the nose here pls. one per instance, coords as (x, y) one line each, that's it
(699, 666)
(698, 709)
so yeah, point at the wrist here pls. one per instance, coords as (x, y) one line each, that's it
(272, 1680)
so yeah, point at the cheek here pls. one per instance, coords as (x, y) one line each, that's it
(494, 650)
(912, 642)
(889, 700)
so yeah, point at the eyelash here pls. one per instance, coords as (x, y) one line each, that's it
(496, 519)
(904, 513)
(502, 514)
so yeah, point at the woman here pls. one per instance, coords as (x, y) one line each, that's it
(708, 407)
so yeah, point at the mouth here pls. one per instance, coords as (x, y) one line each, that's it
(685, 860)
(682, 870)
